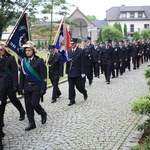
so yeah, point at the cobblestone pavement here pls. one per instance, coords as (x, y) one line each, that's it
(103, 122)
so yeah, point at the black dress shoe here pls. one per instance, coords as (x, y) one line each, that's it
(1, 145)
(58, 96)
(85, 96)
(108, 82)
(3, 124)
(70, 104)
(22, 115)
(53, 101)
(3, 134)
(30, 127)
(90, 82)
(43, 117)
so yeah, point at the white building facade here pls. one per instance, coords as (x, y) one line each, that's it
(136, 18)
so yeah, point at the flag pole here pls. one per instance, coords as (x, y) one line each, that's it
(57, 34)
(56, 37)
(29, 34)
(17, 23)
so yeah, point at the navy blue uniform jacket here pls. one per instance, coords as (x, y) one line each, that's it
(75, 63)
(39, 66)
(55, 63)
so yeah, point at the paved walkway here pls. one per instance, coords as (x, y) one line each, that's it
(103, 122)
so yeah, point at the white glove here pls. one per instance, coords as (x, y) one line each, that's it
(82, 75)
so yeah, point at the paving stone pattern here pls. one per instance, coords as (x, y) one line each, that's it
(103, 122)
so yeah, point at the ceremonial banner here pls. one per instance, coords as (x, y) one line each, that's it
(19, 36)
(62, 40)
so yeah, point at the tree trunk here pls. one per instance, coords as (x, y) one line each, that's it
(1, 32)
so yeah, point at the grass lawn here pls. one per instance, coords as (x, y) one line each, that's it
(42, 54)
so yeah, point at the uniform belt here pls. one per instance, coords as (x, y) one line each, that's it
(31, 83)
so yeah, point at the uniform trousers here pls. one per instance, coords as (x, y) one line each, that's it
(14, 100)
(107, 71)
(146, 56)
(32, 102)
(96, 69)
(128, 64)
(89, 73)
(122, 66)
(56, 91)
(102, 67)
(2, 109)
(115, 70)
(135, 62)
(80, 85)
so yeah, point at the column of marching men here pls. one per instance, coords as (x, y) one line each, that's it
(112, 58)
(85, 61)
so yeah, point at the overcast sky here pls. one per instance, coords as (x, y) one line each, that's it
(99, 7)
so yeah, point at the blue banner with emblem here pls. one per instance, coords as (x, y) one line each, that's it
(20, 36)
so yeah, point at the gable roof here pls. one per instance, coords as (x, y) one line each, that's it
(114, 12)
(99, 23)
(77, 10)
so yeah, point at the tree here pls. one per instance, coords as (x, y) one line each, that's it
(120, 28)
(45, 43)
(117, 25)
(93, 17)
(125, 31)
(59, 7)
(136, 35)
(100, 35)
(145, 34)
(109, 32)
(42, 44)
(11, 10)
(5, 17)
(39, 44)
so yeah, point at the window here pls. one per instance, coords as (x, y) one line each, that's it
(131, 15)
(124, 15)
(146, 26)
(140, 14)
(131, 27)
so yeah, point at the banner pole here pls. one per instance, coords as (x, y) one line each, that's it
(56, 37)
(57, 34)
(17, 23)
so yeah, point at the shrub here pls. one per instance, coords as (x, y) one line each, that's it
(142, 106)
